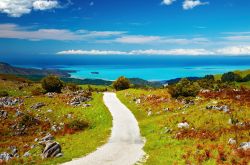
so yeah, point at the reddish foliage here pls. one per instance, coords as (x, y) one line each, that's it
(240, 96)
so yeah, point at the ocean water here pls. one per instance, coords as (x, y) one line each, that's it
(145, 67)
(112, 72)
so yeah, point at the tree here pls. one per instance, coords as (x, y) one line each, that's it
(247, 78)
(121, 83)
(184, 88)
(230, 77)
(52, 84)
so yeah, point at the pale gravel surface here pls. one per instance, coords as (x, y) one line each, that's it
(125, 144)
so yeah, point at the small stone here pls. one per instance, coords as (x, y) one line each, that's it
(231, 141)
(150, 113)
(3, 114)
(26, 154)
(37, 106)
(49, 111)
(183, 125)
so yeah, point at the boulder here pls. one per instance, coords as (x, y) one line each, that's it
(5, 156)
(52, 149)
(183, 125)
(3, 114)
(223, 108)
(9, 101)
(245, 146)
(37, 105)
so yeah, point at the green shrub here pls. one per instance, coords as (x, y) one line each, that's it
(231, 77)
(247, 78)
(184, 88)
(73, 87)
(121, 83)
(52, 84)
(4, 94)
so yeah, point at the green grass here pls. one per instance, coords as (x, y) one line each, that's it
(73, 145)
(164, 148)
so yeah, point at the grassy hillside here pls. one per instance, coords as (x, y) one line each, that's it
(55, 117)
(206, 139)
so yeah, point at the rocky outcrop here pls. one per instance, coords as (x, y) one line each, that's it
(37, 106)
(9, 101)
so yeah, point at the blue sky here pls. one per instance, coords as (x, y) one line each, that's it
(124, 27)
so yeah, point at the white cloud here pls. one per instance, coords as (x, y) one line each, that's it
(141, 39)
(138, 52)
(234, 50)
(16, 32)
(226, 51)
(17, 8)
(238, 38)
(190, 4)
(137, 39)
(44, 4)
(168, 2)
(91, 52)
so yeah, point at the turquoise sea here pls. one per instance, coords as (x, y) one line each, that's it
(146, 72)
(145, 67)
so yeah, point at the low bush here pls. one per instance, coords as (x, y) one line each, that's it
(4, 94)
(231, 77)
(184, 88)
(52, 84)
(121, 83)
(73, 87)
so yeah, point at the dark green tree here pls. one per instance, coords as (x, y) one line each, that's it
(121, 83)
(52, 84)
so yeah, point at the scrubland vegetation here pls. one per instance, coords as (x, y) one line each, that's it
(75, 117)
(194, 122)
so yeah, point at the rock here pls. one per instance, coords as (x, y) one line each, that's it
(167, 130)
(150, 113)
(26, 154)
(86, 105)
(165, 109)
(9, 101)
(36, 140)
(3, 114)
(46, 138)
(183, 125)
(51, 149)
(19, 113)
(5, 156)
(231, 141)
(138, 101)
(50, 110)
(245, 146)
(37, 105)
(14, 151)
(50, 94)
(69, 116)
(223, 108)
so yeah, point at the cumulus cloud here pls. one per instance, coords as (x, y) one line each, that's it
(168, 2)
(17, 8)
(44, 5)
(137, 39)
(16, 32)
(190, 4)
(234, 50)
(138, 52)
(226, 51)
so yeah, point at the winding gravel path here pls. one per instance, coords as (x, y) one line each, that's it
(125, 144)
